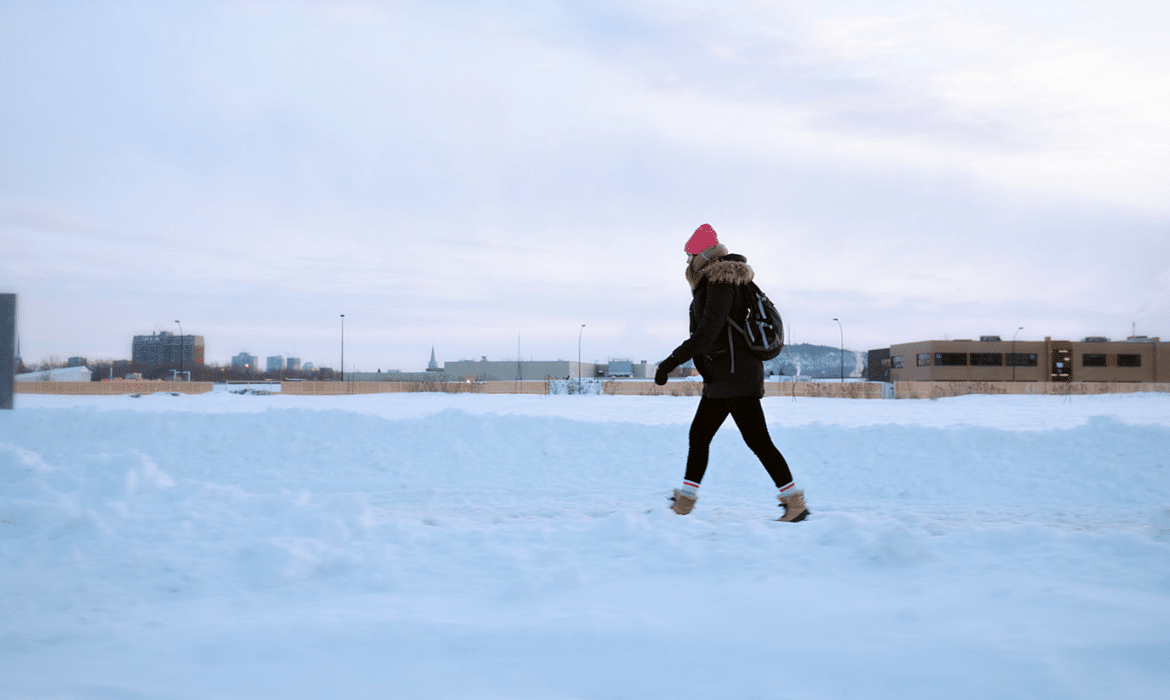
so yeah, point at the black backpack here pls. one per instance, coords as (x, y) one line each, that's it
(759, 323)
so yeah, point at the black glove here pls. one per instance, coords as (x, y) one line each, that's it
(665, 368)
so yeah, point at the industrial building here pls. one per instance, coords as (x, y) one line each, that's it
(490, 370)
(509, 370)
(513, 370)
(991, 359)
(165, 349)
(76, 373)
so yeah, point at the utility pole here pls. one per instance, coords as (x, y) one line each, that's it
(1015, 357)
(343, 347)
(842, 349)
(579, 352)
(181, 344)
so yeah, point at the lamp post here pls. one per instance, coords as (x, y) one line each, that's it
(579, 352)
(343, 347)
(842, 349)
(180, 347)
(1015, 358)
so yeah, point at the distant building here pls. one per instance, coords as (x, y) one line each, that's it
(76, 362)
(165, 349)
(79, 373)
(292, 364)
(513, 370)
(506, 370)
(274, 363)
(308, 367)
(1094, 359)
(628, 369)
(619, 368)
(245, 361)
(878, 365)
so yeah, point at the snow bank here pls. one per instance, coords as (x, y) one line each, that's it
(418, 546)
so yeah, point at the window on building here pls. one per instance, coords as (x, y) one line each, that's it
(1093, 359)
(924, 359)
(950, 359)
(1129, 360)
(1022, 359)
(987, 359)
(896, 362)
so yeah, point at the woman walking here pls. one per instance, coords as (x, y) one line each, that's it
(733, 377)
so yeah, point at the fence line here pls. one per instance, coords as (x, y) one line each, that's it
(849, 390)
(938, 390)
(112, 388)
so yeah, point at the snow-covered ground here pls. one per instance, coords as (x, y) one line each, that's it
(466, 546)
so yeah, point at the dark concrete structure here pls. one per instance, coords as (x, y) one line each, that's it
(877, 366)
(7, 348)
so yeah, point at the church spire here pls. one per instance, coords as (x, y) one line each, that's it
(432, 366)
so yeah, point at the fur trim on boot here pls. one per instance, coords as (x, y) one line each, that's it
(794, 508)
(683, 503)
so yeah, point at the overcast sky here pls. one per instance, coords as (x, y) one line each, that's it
(459, 174)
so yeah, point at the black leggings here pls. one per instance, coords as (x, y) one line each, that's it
(749, 417)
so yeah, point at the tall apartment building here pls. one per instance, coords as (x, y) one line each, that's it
(168, 350)
(292, 364)
(274, 363)
(245, 361)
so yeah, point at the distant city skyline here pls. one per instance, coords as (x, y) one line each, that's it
(457, 175)
(244, 359)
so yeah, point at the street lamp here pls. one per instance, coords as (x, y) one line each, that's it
(343, 347)
(180, 347)
(1015, 357)
(579, 352)
(842, 349)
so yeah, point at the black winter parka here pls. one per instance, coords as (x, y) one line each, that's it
(721, 355)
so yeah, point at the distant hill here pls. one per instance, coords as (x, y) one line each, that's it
(816, 362)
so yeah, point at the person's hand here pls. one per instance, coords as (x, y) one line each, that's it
(664, 369)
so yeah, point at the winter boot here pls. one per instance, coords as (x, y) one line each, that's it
(794, 508)
(683, 503)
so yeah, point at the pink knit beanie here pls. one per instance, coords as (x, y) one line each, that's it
(702, 239)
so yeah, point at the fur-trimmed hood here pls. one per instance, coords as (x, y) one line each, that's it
(730, 269)
(721, 268)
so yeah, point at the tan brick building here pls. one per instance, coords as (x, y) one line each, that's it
(990, 359)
